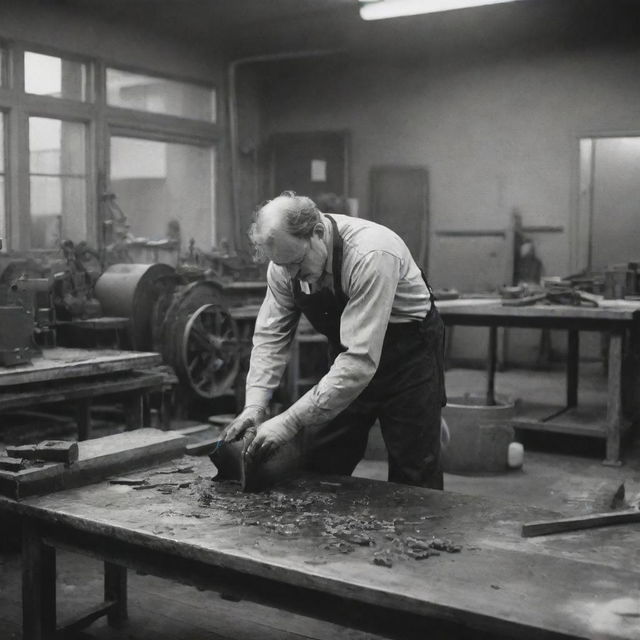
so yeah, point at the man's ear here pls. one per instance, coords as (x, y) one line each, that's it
(318, 229)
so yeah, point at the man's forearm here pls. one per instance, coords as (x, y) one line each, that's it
(344, 382)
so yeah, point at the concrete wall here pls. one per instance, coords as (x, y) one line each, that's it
(496, 133)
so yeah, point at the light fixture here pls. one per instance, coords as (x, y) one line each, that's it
(381, 9)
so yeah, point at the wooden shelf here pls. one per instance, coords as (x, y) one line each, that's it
(589, 421)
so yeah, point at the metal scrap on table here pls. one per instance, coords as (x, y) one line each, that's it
(313, 513)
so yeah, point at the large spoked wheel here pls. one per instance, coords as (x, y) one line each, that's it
(209, 356)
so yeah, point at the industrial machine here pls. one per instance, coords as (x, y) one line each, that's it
(184, 319)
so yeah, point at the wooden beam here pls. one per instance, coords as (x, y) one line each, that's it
(49, 450)
(590, 521)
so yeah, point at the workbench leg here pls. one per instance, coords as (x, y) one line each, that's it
(573, 356)
(614, 399)
(134, 408)
(83, 418)
(115, 590)
(38, 586)
(166, 408)
(491, 366)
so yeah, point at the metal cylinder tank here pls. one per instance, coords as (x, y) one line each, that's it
(130, 291)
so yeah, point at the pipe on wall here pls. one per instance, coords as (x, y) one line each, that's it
(233, 120)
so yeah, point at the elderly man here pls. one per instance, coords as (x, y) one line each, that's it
(356, 283)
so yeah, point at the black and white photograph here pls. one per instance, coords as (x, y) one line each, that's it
(319, 319)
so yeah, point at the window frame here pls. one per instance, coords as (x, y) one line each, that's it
(101, 121)
(171, 78)
(5, 233)
(90, 178)
(71, 57)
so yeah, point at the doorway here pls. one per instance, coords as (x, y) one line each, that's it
(608, 226)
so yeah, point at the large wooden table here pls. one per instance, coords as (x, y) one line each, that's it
(283, 549)
(79, 375)
(613, 317)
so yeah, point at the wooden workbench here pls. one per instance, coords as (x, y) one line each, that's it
(278, 549)
(613, 317)
(78, 375)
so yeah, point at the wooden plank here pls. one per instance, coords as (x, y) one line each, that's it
(58, 363)
(64, 390)
(97, 459)
(590, 521)
(11, 464)
(587, 421)
(49, 450)
(487, 311)
(85, 618)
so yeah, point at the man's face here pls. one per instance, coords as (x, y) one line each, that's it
(303, 259)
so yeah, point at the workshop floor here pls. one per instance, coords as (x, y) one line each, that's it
(564, 474)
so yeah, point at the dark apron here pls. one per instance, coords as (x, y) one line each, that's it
(406, 392)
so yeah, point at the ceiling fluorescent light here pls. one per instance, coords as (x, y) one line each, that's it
(381, 9)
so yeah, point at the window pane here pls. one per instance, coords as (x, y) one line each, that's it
(3, 227)
(166, 190)
(146, 93)
(55, 77)
(57, 182)
(3, 169)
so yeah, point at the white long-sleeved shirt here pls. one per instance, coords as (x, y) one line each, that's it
(383, 284)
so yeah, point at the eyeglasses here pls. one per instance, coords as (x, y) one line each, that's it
(297, 263)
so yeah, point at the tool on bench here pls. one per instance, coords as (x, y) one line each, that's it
(590, 521)
(562, 293)
(48, 450)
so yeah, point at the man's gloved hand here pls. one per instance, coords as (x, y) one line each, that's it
(249, 418)
(271, 435)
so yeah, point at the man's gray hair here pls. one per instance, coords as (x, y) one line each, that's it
(301, 215)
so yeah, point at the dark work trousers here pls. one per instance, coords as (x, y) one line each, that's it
(406, 394)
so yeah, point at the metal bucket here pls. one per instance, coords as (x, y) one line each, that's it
(480, 435)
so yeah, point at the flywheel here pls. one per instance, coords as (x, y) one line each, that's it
(209, 356)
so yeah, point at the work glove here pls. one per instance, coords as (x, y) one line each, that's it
(249, 418)
(271, 435)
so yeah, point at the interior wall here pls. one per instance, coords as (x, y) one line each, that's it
(495, 133)
(130, 45)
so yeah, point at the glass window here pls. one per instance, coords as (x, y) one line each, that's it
(158, 95)
(166, 190)
(3, 171)
(54, 77)
(58, 181)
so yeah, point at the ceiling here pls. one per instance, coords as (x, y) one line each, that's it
(252, 27)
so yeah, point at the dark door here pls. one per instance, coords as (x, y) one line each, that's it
(400, 201)
(310, 163)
